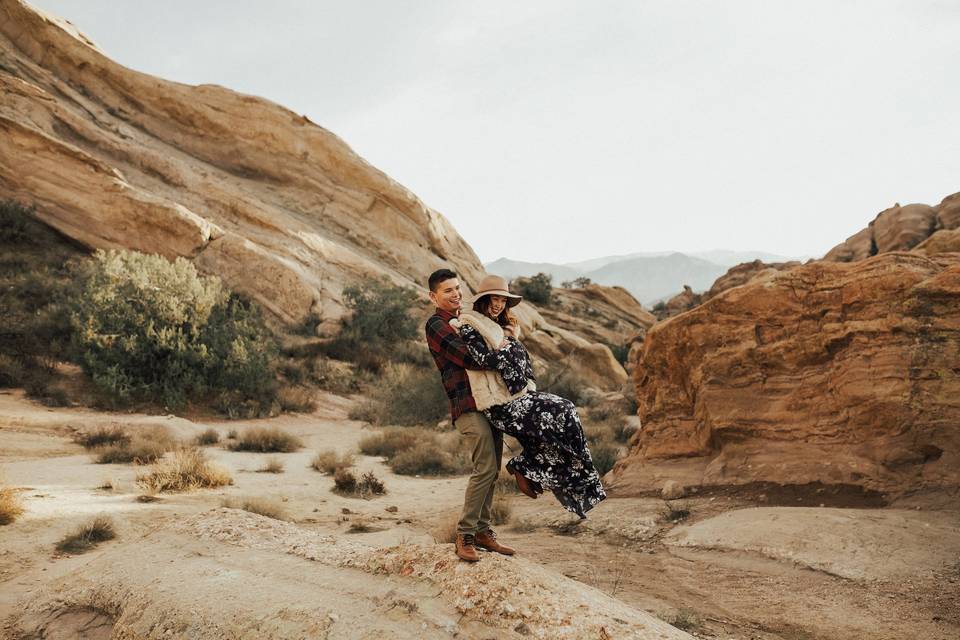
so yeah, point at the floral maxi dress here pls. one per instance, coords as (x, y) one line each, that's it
(555, 452)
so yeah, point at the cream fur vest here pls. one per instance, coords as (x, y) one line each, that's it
(487, 387)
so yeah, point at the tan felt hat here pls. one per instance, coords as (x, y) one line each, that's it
(496, 286)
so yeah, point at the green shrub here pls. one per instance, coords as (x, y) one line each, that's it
(538, 288)
(407, 396)
(149, 329)
(264, 440)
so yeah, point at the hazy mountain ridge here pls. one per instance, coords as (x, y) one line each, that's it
(650, 276)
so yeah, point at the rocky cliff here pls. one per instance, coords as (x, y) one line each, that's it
(278, 207)
(833, 372)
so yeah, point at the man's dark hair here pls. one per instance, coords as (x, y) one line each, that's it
(439, 276)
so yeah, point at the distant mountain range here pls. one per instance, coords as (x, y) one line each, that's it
(650, 276)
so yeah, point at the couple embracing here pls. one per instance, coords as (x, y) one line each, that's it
(489, 380)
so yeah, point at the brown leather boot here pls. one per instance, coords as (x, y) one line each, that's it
(524, 485)
(465, 547)
(488, 540)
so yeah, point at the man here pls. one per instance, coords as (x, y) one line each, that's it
(486, 444)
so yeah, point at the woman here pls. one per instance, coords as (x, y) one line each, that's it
(555, 453)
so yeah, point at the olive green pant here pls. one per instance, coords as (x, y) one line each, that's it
(486, 446)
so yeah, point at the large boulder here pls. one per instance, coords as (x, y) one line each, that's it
(841, 373)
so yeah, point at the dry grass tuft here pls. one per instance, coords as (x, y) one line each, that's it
(86, 537)
(272, 465)
(446, 531)
(102, 436)
(415, 451)
(362, 525)
(390, 442)
(263, 440)
(232, 434)
(208, 437)
(187, 469)
(260, 506)
(330, 462)
(297, 399)
(148, 497)
(144, 446)
(501, 510)
(11, 507)
(108, 484)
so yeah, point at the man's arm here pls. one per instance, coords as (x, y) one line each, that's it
(443, 338)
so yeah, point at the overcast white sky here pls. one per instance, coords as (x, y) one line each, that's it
(559, 131)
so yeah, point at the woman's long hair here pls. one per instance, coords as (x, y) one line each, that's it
(505, 319)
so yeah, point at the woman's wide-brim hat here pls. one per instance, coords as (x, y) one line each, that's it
(496, 286)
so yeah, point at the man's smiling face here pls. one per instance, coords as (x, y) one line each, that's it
(447, 295)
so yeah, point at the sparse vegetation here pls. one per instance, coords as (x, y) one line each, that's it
(272, 465)
(187, 469)
(11, 507)
(208, 437)
(100, 436)
(501, 510)
(145, 446)
(330, 461)
(416, 451)
(683, 619)
(537, 288)
(88, 536)
(674, 512)
(405, 395)
(361, 525)
(561, 380)
(260, 506)
(147, 329)
(266, 440)
(298, 399)
(369, 485)
(604, 455)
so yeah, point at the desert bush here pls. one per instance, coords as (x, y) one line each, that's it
(12, 372)
(11, 507)
(361, 526)
(604, 455)
(208, 437)
(187, 469)
(445, 532)
(506, 484)
(294, 371)
(260, 506)
(405, 395)
(683, 619)
(346, 483)
(674, 512)
(100, 436)
(264, 440)
(299, 399)
(232, 434)
(330, 461)
(537, 288)
(149, 329)
(424, 461)
(389, 442)
(337, 377)
(88, 536)
(272, 465)
(145, 446)
(379, 326)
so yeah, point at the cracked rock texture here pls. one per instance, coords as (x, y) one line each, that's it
(833, 372)
(278, 207)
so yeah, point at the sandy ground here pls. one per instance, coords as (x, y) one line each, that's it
(726, 569)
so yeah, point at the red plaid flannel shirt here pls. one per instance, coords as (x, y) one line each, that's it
(452, 358)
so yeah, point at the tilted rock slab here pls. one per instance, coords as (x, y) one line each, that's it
(276, 206)
(232, 574)
(842, 373)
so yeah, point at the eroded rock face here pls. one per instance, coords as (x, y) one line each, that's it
(279, 208)
(829, 372)
(900, 228)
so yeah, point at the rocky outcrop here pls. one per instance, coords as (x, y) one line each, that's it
(609, 315)
(744, 273)
(278, 207)
(252, 576)
(828, 372)
(900, 228)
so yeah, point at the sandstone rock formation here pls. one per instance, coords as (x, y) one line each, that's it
(901, 228)
(251, 576)
(610, 315)
(828, 372)
(278, 207)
